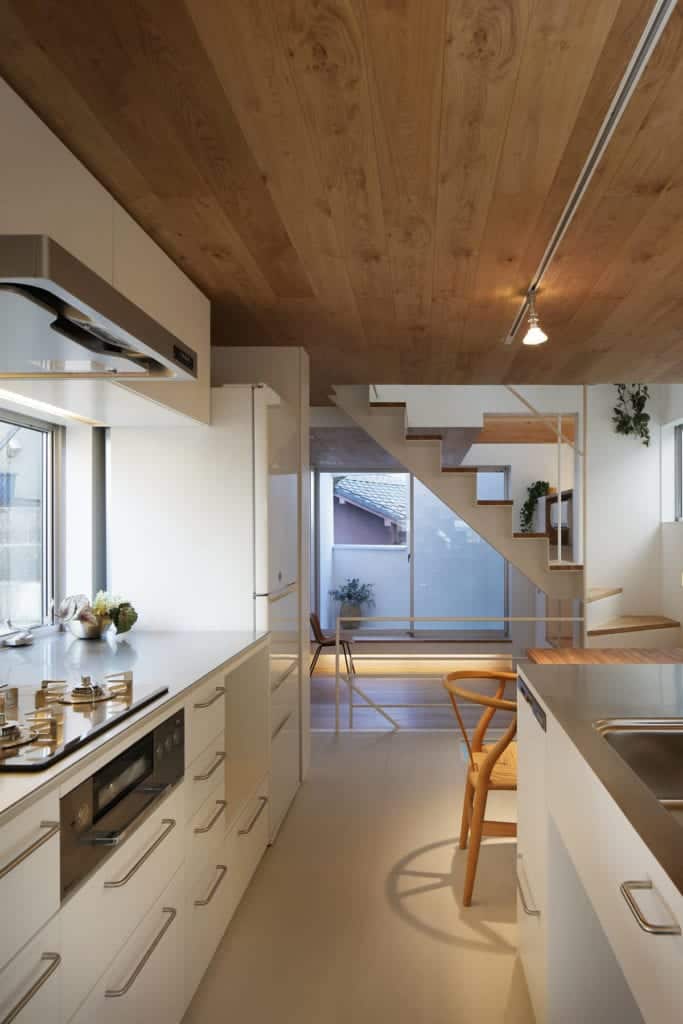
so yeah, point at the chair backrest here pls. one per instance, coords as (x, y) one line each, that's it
(490, 705)
(317, 630)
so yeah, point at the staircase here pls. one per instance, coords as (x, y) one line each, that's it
(421, 455)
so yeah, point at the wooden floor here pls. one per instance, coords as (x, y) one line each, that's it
(388, 690)
(607, 656)
(355, 914)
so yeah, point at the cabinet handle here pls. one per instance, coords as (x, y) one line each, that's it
(221, 869)
(54, 960)
(529, 911)
(114, 993)
(170, 825)
(220, 758)
(284, 677)
(220, 690)
(282, 724)
(627, 889)
(247, 830)
(201, 829)
(53, 827)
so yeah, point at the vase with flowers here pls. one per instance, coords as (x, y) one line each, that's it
(90, 620)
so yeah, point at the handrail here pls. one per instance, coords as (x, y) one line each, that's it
(552, 417)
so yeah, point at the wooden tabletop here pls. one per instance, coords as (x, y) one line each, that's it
(606, 655)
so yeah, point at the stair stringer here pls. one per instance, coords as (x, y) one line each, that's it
(494, 523)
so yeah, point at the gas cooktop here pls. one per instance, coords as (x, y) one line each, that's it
(39, 727)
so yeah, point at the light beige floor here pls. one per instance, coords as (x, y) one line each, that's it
(354, 914)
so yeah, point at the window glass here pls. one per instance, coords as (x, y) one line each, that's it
(24, 481)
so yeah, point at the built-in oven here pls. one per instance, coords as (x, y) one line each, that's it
(102, 811)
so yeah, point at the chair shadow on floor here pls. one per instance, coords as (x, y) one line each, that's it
(408, 881)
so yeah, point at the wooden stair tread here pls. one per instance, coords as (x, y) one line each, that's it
(565, 567)
(423, 437)
(460, 469)
(387, 405)
(633, 624)
(490, 501)
(599, 593)
(525, 535)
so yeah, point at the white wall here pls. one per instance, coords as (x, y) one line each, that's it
(623, 521)
(452, 405)
(181, 519)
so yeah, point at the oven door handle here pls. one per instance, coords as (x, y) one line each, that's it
(113, 837)
(170, 824)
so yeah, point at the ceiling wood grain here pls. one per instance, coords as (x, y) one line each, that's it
(377, 180)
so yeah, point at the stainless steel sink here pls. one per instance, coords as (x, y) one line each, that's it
(653, 749)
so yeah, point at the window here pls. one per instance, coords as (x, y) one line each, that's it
(26, 522)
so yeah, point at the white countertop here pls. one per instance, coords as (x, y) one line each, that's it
(176, 660)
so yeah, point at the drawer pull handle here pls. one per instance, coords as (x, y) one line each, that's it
(247, 830)
(222, 870)
(114, 993)
(220, 690)
(627, 889)
(53, 829)
(201, 829)
(54, 960)
(220, 758)
(529, 911)
(284, 677)
(282, 725)
(170, 825)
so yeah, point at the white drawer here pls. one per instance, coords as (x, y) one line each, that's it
(145, 981)
(205, 715)
(206, 829)
(29, 873)
(606, 852)
(251, 837)
(281, 669)
(284, 697)
(284, 767)
(35, 978)
(204, 773)
(99, 917)
(212, 896)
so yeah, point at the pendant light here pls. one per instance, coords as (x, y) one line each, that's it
(534, 335)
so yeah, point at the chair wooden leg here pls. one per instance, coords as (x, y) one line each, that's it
(476, 824)
(466, 813)
(315, 659)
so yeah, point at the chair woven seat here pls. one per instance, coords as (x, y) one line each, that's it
(504, 774)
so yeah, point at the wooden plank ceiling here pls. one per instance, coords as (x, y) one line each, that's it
(377, 179)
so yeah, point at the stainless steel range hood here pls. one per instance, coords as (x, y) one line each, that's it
(59, 319)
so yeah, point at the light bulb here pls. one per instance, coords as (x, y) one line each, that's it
(534, 335)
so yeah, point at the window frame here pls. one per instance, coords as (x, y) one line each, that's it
(678, 472)
(53, 446)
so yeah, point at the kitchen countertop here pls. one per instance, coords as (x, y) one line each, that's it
(172, 659)
(577, 696)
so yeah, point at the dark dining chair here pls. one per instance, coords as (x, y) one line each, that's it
(325, 640)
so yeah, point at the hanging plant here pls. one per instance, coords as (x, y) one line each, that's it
(629, 416)
(537, 490)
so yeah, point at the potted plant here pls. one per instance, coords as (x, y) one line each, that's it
(537, 490)
(629, 416)
(351, 596)
(90, 621)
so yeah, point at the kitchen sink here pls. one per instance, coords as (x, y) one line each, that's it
(653, 749)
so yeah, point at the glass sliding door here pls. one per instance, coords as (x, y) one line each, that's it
(455, 572)
(363, 532)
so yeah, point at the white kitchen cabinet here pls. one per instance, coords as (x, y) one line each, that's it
(206, 829)
(205, 771)
(33, 979)
(29, 873)
(45, 190)
(211, 897)
(251, 837)
(607, 852)
(145, 981)
(284, 746)
(531, 863)
(104, 912)
(204, 715)
(247, 729)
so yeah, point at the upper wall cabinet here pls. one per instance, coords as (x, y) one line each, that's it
(45, 190)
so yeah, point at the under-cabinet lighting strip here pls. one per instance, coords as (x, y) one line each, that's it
(661, 12)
